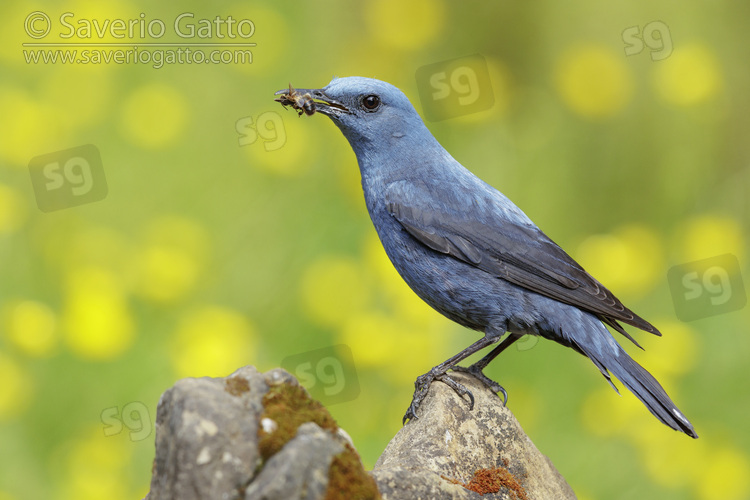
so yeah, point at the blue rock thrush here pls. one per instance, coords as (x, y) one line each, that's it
(469, 252)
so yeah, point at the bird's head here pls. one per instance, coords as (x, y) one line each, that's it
(371, 113)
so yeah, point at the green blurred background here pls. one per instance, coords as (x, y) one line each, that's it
(234, 232)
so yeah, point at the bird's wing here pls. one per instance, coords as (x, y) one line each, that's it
(481, 231)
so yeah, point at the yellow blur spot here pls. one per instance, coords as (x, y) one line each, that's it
(389, 342)
(154, 116)
(670, 458)
(333, 289)
(604, 413)
(32, 327)
(279, 141)
(12, 210)
(167, 273)
(97, 321)
(15, 389)
(173, 255)
(593, 81)
(95, 467)
(675, 353)
(373, 338)
(273, 34)
(212, 341)
(79, 96)
(20, 130)
(404, 25)
(689, 76)
(724, 476)
(385, 323)
(709, 236)
(629, 261)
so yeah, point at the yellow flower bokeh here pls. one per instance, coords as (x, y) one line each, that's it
(32, 327)
(78, 98)
(689, 76)
(593, 81)
(674, 353)
(272, 32)
(154, 115)
(94, 467)
(212, 341)
(670, 459)
(710, 235)
(281, 141)
(20, 135)
(373, 311)
(97, 321)
(628, 261)
(404, 25)
(604, 413)
(333, 289)
(726, 475)
(16, 389)
(169, 262)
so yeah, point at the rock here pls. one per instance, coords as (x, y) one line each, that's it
(253, 436)
(300, 468)
(449, 441)
(207, 436)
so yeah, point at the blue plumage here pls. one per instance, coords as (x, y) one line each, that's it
(473, 255)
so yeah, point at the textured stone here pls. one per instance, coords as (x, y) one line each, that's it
(251, 436)
(255, 436)
(451, 441)
(300, 469)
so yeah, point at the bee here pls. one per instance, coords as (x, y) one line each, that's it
(302, 103)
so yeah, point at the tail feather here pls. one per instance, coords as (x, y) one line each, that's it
(642, 384)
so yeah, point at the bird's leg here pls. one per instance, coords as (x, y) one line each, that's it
(476, 368)
(423, 382)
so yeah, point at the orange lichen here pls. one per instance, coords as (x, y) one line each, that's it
(493, 480)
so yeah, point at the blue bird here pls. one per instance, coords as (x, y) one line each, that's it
(469, 252)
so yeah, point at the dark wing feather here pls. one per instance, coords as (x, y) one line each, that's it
(516, 252)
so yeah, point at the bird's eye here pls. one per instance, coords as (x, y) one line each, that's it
(371, 102)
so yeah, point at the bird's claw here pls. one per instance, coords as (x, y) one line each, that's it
(491, 384)
(422, 386)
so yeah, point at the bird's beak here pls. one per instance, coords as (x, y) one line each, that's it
(323, 103)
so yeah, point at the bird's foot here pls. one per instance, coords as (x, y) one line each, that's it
(491, 384)
(422, 386)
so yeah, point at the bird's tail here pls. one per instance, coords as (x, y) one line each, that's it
(642, 384)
